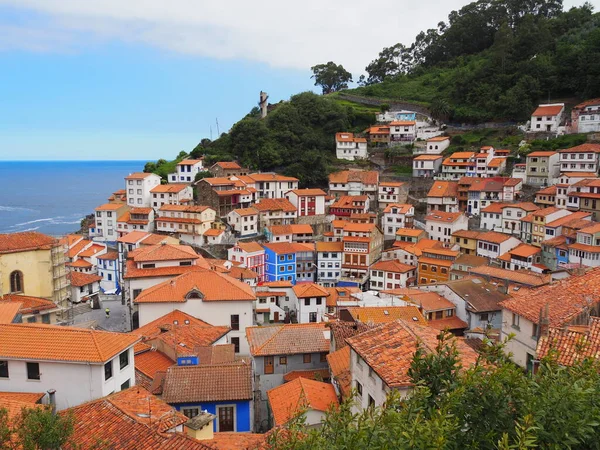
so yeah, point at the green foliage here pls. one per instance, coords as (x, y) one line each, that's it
(492, 405)
(494, 60)
(163, 168)
(204, 174)
(331, 77)
(35, 429)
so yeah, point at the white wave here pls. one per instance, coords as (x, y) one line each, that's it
(66, 223)
(14, 208)
(29, 229)
(48, 219)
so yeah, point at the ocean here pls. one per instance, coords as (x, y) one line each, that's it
(53, 196)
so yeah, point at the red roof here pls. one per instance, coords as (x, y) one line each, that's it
(548, 110)
(25, 241)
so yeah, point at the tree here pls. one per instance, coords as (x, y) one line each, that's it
(440, 109)
(150, 167)
(331, 77)
(392, 61)
(203, 174)
(35, 429)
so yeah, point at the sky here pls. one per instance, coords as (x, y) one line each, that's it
(145, 79)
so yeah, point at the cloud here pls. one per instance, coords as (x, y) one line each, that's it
(278, 33)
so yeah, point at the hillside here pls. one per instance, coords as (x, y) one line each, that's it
(493, 60)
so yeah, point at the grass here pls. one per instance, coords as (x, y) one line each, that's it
(357, 106)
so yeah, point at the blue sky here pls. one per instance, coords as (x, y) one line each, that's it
(145, 79)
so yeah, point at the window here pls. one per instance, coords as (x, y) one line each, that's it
(307, 358)
(515, 321)
(534, 333)
(236, 344)
(124, 359)
(33, 371)
(307, 302)
(283, 360)
(235, 322)
(3, 369)
(312, 317)
(319, 300)
(190, 413)
(31, 319)
(125, 385)
(268, 365)
(16, 281)
(359, 388)
(108, 371)
(323, 357)
(484, 317)
(371, 402)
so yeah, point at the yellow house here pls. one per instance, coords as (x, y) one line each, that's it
(466, 240)
(33, 264)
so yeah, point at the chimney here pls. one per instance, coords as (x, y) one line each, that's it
(52, 400)
(201, 426)
(544, 322)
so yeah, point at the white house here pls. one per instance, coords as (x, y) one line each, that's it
(186, 171)
(354, 182)
(523, 256)
(138, 186)
(510, 220)
(392, 274)
(329, 262)
(396, 216)
(391, 192)
(458, 165)
(135, 218)
(269, 184)
(171, 194)
(402, 132)
(108, 269)
(443, 196)
(492, 244)
(581, 158)
(347, 146)
(84, 286)
(106, 227)
(542, 168)
(440, 225)
(436, 145)
(309, 202)
(250, 255)
(188, 222)
(585, 117)
(312, 302)
(244, 221)
(427, 166)
(203, 293)
(547, 117)
(80, 364)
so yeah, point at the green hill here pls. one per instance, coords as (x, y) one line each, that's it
(493, 60)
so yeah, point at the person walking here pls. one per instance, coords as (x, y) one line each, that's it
(107, 311)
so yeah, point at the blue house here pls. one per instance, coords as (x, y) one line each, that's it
(224, 390)
(280, 262)
(108, 269)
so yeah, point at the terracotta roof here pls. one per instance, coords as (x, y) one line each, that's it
(59, 343)
(209, 284)
(323, 246)
(525, 206)
(350, 201)
(394, 266)
(570, 218)
(163, 252)
(340, 293)
(307, 290)
(245, 212)
(275, 204)
(479, 295)
(389, 349)
(443, 189)
(340, 331)
(215, 354)
(26, 241)
(278, 284)
(138, 175)
(365, 177)
(208, 383)
(77, 248)
(583, 148)
(540, 154)
(109, 256)
(548, 110)
(445, 217)
(289, 247)
(525, 250)
(315, 374)
(493, 236)
(28, 303)
(131, 271)
(439, 139)
(150, 362)
(564, 299)
(26, 397)
(278, 230)
(469, 234)
(525, 277)
(290, 399)
(572, 346)
(592, 229)
(427, 157)
(213, 232)
(402, 123)
(384, 314)
(250, 247)
(236, 441)
(189, 161)
(550, 190)
(448, 323)
(133, 237)
(228, 165)
(288, 339)
(401, 207)
(79, 279)
(429, 301)
(9, 311)
(497, 162)
(80, 263)
(129, 419)
(309, 192)
(339, 364)
(266, 177)
(92, 250)
(462, 155)
(181, 331)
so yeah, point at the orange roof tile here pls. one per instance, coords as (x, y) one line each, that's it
(365, 177)
(236, 441)
(525, 250)
(570, 218)
(413, 232)
(469, 234)
(540, 154)
(443, 189)
(391, 183)
(445, 217)
(110, 207)
(401, 123)
(9, 311)
(290, 399)
(287, 339)
(563, 300)
(250, 247)
(389, 349)
(267, 177)
(315, 374)
(329, 246)
(548, 110)
(26, 241)
(111, 256)
(245, 211)
(189, 162)
(307, 290)
(592, 229)
(92, 250)
(275, 204)
(138, 175)
(59, 343)
(572, 345)
(427, 157)
(583, 148)
(402, 208)
(339, 364)
(80, 263)
(448, 323)
(278, 230)
(309, 192)
(132, 271)
(28, 303)
(494, 237)
(168, 188)
(203, 285)
(150, 362)
(439, 139)
(525, 277)
(164, 252)
(213, 232)
(384, 314)
(26, 397)
(133, 237)
(289, 247)
(79, 279)
(497, 162)
(393, 266)
(228, 165)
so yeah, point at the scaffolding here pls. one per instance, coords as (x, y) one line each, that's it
(60, 294)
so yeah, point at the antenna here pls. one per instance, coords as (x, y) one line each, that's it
(218, 132)
(211, 132)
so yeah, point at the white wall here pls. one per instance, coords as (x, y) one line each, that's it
(522, 342)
